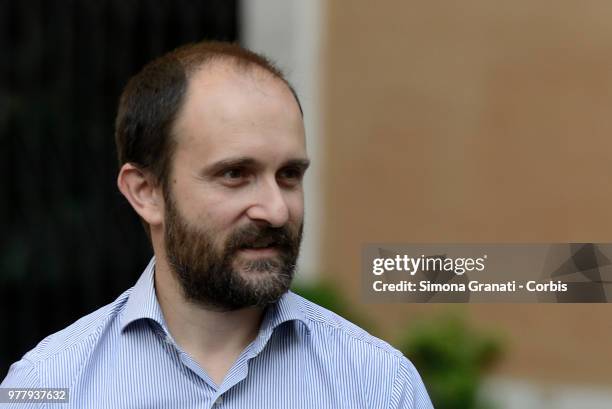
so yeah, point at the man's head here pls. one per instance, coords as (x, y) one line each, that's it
(212, 153)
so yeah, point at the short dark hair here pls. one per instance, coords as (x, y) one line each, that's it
(152, 99)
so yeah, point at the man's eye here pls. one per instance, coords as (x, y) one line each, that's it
(233, 174)
(234, 177)
(291, 175)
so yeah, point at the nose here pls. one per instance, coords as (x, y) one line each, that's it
(270, 205)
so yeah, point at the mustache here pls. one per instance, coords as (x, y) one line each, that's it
(282, 237)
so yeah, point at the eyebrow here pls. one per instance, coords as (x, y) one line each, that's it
(302, 164)
(249, 162)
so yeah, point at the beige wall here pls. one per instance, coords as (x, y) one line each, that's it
(473, 121)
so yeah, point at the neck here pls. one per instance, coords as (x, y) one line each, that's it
(204, 333)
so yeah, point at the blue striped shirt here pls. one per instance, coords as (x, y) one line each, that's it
(304, 356)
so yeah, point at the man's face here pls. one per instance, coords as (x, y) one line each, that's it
(234, 206)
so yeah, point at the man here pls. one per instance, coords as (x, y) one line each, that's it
(212, 151)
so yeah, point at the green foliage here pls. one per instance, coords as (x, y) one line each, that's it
(451, 358)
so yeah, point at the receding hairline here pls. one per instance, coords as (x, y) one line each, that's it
(213, 72)
(195, 63)
(196, 57)
(223, 68)
(231, 64)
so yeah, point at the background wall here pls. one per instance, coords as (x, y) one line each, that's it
(473, 121)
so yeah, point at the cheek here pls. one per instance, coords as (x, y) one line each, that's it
(218, 213)
(296, 207)
(219, 216)
(208, 207)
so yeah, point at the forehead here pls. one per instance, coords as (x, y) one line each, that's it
(234, 111)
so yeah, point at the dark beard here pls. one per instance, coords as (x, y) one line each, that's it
(213, 278)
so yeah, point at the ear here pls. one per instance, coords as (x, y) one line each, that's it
(139, 189)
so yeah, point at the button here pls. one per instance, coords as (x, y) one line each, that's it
(219, 400)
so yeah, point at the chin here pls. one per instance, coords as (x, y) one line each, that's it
(249, 272)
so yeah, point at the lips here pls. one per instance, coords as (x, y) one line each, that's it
(260, 243)
(259, 252)
(256, 241)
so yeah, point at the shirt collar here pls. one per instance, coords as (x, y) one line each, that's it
(142, 304)
(288, 308)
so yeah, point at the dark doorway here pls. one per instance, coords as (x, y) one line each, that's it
(70, 243)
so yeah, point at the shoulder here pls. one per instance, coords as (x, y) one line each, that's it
(324, 323)
(376, 364)
(68, 347)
